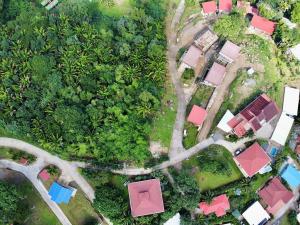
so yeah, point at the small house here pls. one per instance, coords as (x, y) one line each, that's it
(209, 8)
(275, 195)
(60, 194)
(44, 175)
(205, 39)
(197, 115)
(219, 206)
(23, 161)
(282, 129)
(192, 57)
(263, 25)
(225, 6)
(291, 101)
(145, 197)
(229, 52)
(256, 214)
(215, 75)
(223, 124)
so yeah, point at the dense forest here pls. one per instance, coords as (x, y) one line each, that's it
(79, 83)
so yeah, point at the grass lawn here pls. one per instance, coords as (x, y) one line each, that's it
(208, 180)
(163, 123)
(284, 220)
(192, 7)
(191, 139)
(117, 9)
(5, 153)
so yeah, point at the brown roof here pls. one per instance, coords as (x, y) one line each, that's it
(192, 56)
(230, 50)
(216, 74)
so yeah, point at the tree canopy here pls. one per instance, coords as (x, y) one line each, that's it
(79, 83)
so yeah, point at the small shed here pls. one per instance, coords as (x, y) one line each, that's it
(282, 129)
(215, 75)
(291, 101)
(197, 115)
(23, 161)
(262, 24)
(205, 40)
(229, 52)
(192, 57)
(223, 124)
(60, 194)
(44, 175)
(256, 214)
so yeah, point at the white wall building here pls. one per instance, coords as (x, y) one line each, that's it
(282, 129)
(256, 214)
(222, 125)
(291, 101)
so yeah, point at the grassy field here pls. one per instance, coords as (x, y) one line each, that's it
(112, 8)
(162, 126)
(284, 220)
(208, 180)
(5, 153)
(192, 8)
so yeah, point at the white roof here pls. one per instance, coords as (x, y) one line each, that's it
(282, 129)
(225, 119)
(255, 214)
(298, 217)
(175, 220)
(289, 23)
(291, 101)
(296, 51)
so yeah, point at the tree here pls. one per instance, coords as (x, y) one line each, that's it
(9, 201)
(296, 13)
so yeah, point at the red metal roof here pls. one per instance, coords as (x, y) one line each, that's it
(44, 175)
(145, 197)
(263, 24)
(255, 107)
(219, 206)
(275, 193)
(225, 5)
(253, 159)
(209, 7)
(197, 115)
(216, 74)
(23, 161)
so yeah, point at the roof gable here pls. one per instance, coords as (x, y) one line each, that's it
(192, 56)
(263, 24)
(216, 74)
(230, 50)
(219, 206)
(197, 115)
(209, 7)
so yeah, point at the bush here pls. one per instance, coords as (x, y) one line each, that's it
(188, 74)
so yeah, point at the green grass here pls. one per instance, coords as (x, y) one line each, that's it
(116, 10)
(191, 139)
(285, 220)
(192, 8)
(5, 153)
(40, 214)
(163, 123)
(260, 181)
(208, 180)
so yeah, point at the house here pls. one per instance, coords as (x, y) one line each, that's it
(223, 124)
(145, 197)
(295, 51)
(292, 176)
(282, 129)
(60, 194)
(205, 39)
(192, 57)
(246, 6)
(197, 115)
(215, 75)
(259, 112)
(175, 220)
(44, 175)
(23, 161)
(256, 215)
(209, 8)
(263, 25)
(275, 195)
(219, 205)
(291, 101)
(225, 6)
(229, 52)
(253, 160)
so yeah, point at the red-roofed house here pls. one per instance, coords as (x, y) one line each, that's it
(252, 160)
(209, 8)
(23, 161)
(197, 115)
(219, 206)
(262, 24)
(215, 75)
(259, 112)
(145, 197)
(275, 195)
(225, 5)
(44, 175)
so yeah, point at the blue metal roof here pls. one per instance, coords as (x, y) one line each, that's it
(60, 193)
(292, 176)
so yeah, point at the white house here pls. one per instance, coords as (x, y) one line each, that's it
(256, 214)
(282, 129)
(223, 124)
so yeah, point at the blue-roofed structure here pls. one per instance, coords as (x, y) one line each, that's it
(292, 176)
(60, 194)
